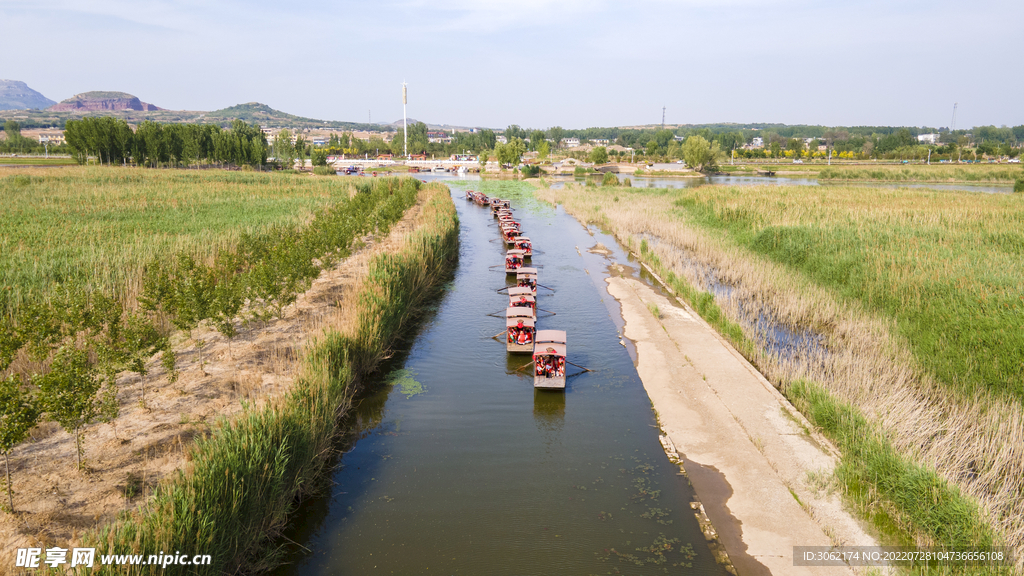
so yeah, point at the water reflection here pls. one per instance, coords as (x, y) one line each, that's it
(548, 410)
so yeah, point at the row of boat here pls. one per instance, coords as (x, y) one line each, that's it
(547, 347)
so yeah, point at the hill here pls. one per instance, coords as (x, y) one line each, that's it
(268, 117)
(16, 95)
(97, 101)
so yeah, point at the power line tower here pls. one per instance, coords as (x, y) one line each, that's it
(662, 117)
(952, 123)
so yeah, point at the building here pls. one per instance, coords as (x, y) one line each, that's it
(570, 142)
(439, 136)
(757, 142)
(55, 139)
(600, 141)
(501, 140)
(928, 139)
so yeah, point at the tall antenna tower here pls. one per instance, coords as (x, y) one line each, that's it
(662, 117)
(405, 118)
(952, 123)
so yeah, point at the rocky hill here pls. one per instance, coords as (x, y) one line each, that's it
(97, 101)
(16, 95)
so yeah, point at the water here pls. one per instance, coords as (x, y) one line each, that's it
(480, 474)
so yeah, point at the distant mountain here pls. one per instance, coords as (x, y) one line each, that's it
(256, 112)
(16, 95)
(96, 101)
(129, 108)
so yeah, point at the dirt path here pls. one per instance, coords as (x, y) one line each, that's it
(747, 452)
(149, 441)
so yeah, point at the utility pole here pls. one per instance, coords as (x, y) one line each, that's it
(405, 118)
(662, 117)
(952, 123)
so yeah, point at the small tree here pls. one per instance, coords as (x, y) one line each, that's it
(599, 155)
(482, 159)
(69, 392)
(284, 150)
(319, 156)
(700, 154)
(18, 414)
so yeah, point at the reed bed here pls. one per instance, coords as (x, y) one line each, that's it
(245, 479)
(918, 298)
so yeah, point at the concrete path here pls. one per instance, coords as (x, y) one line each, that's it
(745, 449)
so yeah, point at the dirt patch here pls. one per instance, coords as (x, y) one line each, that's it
(159, 419)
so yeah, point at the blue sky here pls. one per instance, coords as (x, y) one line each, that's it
(537, 63)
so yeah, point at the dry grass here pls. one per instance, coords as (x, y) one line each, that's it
(973, 437)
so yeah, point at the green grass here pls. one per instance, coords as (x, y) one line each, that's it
(94, 228)
(245, 479)
(947, 267)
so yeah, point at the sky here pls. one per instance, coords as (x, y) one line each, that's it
(538, 63)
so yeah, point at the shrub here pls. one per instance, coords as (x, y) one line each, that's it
(324, 171)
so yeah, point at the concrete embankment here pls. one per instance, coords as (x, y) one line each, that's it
(748, 453)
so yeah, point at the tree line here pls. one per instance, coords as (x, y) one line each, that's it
(112, 141)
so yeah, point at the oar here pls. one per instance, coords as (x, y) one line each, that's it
(496, 314)
(548, 311)
(505, 288)
(578, 366)
(543, 286)
(530, 363)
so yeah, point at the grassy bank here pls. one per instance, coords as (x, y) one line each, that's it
(246, 477)
(37, 161)
(938, 173)
(905, 289)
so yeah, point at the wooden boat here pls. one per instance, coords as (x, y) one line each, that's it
(509, 234)
(481, 199)
(469, 195)
(522, 298)
(523, 243)
(527, 278)
(513, 261)
(519, 332)
(549, 351)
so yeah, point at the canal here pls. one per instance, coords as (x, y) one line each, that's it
(453, 464)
